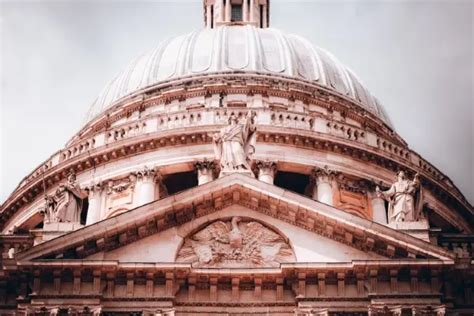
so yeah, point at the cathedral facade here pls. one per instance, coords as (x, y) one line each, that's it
(236, 170)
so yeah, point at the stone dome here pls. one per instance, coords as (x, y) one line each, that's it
(237, 48)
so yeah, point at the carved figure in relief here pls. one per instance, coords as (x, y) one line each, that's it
(404, 197)
(66, 203)
(235, 244)
(235, 142)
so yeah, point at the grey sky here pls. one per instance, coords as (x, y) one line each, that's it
(416, 57)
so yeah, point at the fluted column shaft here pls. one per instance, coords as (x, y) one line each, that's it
(208, 17)
(323, 179)
(145, 189)
(95, 203)
(378, 209)
(245, 11)
(228, 10)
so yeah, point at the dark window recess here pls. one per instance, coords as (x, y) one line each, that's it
(212, 16)
(261, 15)
(236, 13)
(181, 181)
(295, 182)
(85, 207)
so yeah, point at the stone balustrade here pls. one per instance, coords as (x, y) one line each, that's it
(78, 149)
(393, 149)
(126, 131)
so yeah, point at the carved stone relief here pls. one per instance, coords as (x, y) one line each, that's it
(120, 193)
(235, 242)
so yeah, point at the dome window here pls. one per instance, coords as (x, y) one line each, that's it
(236, 13)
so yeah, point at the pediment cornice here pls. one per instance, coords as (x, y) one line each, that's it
(235, 189)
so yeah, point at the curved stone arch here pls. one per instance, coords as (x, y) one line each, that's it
(247, 218)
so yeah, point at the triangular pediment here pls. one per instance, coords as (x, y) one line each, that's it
(201, 243)
(263, 202)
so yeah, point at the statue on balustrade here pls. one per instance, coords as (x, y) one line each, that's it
(405, 199)
(235, 143)
(66, 203)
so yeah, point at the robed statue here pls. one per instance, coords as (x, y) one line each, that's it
(404, 198)
(65, 205)
(235, 143)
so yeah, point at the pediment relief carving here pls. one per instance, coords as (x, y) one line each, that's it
(236, 243)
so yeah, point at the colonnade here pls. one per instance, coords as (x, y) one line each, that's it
(220, 12)
(145, 184)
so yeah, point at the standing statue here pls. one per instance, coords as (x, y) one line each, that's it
(235, 142)
(404, 197)
(66, 203)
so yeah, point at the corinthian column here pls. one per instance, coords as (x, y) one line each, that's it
(205, 171)
(95, 203)
(245, 11)
(266, 171)
(145, 188)
(323, 179)
(228, 10)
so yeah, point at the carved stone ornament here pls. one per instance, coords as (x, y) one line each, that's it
(121, 185)
(235, 242)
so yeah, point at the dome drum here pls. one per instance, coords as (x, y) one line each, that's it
(283, 122)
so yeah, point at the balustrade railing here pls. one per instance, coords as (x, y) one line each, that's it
(220, 116)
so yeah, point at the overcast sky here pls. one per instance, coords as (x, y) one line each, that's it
(416, 57)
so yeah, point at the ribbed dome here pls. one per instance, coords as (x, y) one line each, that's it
(237, 48)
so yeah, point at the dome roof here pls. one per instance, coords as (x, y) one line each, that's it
(237, 48)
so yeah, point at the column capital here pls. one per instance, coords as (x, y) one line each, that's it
(205, 166)
(266, 166)
(266, 170)
(148, 174)
(206, 170)
(323, 175)
(94, 189)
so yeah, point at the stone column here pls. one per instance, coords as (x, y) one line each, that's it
(145, 188)
(208, 17)
(245, 11)
(264, 16)
(228, 10)
(266, 171)
(205, 171)
(323, 179)
(252, 11)
(378, 208)
(95, 203)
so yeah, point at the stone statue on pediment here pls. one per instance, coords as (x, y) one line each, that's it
(404, 198)
(235, 143)
(65, 205)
